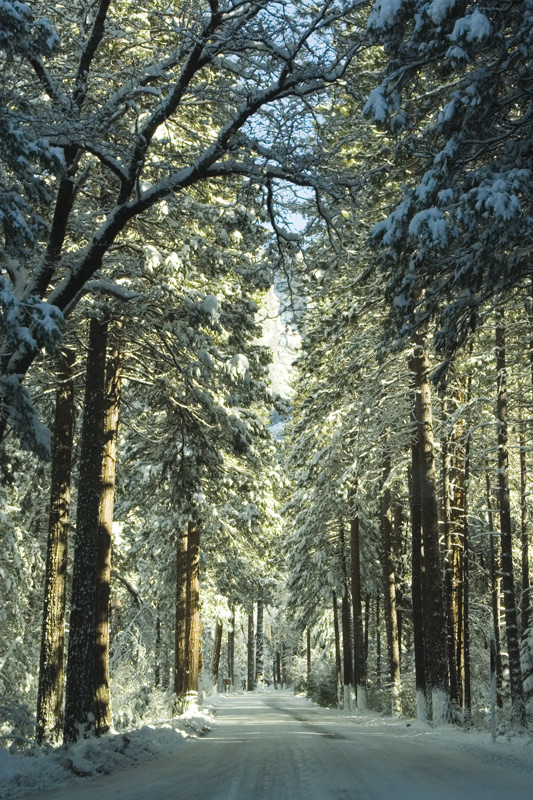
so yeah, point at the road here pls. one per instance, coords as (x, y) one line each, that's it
(269, 747)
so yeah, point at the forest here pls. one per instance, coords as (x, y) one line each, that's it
(266, 359)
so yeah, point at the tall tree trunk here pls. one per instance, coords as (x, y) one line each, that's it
(217, 648)
(448, 563)
(259, 644)
(359, 641)
(467, 691)
(87, 705)
(347, 660)
(518, 711)
(231, 648)
(181, 631)
(51, 668)
(251, 652)
(337, 642)
(436, 629)
(193, 612)
(389, 595)
(417, 586)
(308, 657)
(495, 592)
(525, 604)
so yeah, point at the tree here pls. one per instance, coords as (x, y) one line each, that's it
(460, 234)
(120, 128)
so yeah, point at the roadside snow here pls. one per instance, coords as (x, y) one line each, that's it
(239, 713)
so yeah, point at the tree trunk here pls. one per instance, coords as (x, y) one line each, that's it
(525, 604)
(448, 565)
(337, 638)
(346, 628)
(259, 644)
(495, 592)
(193, 612)
(87, 706)
(518, 711)
(181, 631)
(436, 629)
(231, 648)
(51, 667)
(308, 657)
(217, 647)
(417, 586)
(251, 654)
(389, 596)
(359, 640)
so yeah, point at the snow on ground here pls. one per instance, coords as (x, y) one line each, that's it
(42, 771)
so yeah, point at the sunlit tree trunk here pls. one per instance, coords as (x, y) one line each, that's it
(337, 641)
(51, 668)
(494, 590)
(87, 704)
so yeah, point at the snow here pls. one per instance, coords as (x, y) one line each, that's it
(473, 28)
(272, 744)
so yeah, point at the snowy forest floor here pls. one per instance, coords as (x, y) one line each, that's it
(35, 774)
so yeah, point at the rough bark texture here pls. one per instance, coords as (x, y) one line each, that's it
(81, 682)
(51, 668)
(518, 711)
(337, 637)
(495, 592)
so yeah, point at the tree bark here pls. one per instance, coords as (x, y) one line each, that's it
(435, 629)
(259, 644)
(87, 705)
(389, 595)
(50, 709)
(250, 684)
(518, 710)
(181, 630)
(193, 612)
(359, 640)
(217, 647)
(494, 592)
(337, 641)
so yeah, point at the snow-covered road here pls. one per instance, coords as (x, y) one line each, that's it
(274, 746)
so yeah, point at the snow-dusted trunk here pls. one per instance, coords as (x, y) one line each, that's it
(51, 668)
(87, 705)
(435, 618)
(359, 641)
(389, 594)
(518, 710)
